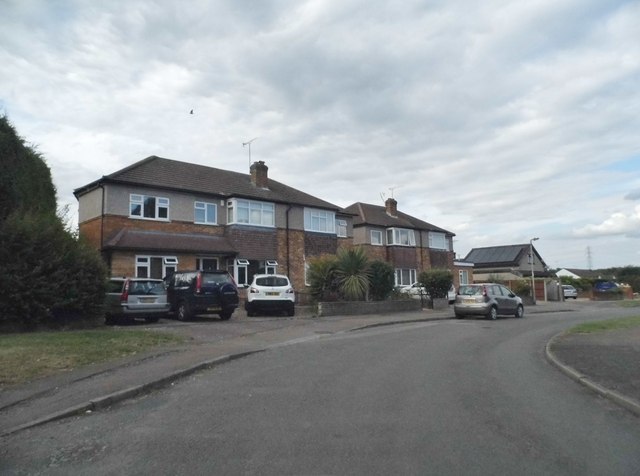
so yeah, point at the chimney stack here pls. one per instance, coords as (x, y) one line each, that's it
(392, 207)
(259, 176)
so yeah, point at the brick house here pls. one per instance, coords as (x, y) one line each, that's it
(160, 215)
(410, 245)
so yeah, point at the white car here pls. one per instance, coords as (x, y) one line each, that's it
(569, 291)
(270, 292)
(415, 291)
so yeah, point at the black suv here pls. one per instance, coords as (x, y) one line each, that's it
(202, 292)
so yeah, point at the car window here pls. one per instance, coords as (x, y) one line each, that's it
(215, 278)
(114, 287)
(139, 288)
(272, 281)
(470, 290)
(506, 291)
(495, 290)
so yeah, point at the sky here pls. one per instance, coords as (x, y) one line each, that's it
(500, 121)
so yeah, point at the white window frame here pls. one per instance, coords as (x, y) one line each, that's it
(341, 228)
(257, 213)
(205, 207)
(378, 233)
(319, 221)
(438, 241)
(408, 273)
(169, 263)
(138, 199)
(199, 259)
(241, 271)
(270, 266)
(395, 237)
(463, 276)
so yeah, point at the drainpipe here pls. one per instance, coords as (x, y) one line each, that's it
(287, 240)
(102, 219)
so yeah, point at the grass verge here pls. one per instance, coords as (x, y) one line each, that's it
(24, 357)
(610, 325)
(629, 303)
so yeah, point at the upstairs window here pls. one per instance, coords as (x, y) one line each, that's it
(401, 237)
(376, 237)
(205, 213)
(148, 207)
(251, 212)
(322, 221)
(341, 228)
(438, 241)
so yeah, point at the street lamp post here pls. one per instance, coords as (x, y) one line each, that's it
(533, 283)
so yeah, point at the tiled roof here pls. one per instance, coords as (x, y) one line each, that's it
(172, 174)
(176, 242)
(367, 214)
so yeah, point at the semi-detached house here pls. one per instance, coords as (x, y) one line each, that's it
(159, 215)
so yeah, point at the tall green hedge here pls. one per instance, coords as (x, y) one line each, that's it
(47, 275)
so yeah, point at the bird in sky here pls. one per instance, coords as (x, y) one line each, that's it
(191, 112)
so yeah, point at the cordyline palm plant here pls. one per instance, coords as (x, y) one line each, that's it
(352, 274)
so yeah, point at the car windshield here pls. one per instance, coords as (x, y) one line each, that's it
(272, 281)
(470, 290)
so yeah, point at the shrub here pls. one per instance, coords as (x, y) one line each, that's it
(436, 282)
(322, 285)
(381, 280)
(522, 287)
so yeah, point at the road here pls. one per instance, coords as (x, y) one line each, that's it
(446, 397)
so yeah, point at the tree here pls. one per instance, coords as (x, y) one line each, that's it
(352, 274)
(45, 271)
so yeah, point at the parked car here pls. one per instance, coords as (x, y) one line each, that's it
(128, 298)
(202, 292)
(451, 295)
(488, 299)
(569, 291)
(414, 290)
(270, 292)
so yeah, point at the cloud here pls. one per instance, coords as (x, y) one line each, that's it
(617, 224)
(633, 195)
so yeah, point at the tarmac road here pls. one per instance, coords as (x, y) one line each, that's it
(212, 342)
(427, 397)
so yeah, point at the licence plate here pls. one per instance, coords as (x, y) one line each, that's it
(146, 300)
(271, 293)
(213, 308)
(469, 300)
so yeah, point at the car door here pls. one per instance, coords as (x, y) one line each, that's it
(510, 301)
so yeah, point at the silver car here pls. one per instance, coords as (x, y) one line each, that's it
(487, 299)
(569, 291)
(128, 298)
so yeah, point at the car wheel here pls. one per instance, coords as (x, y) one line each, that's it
(109, 320)
(291, 311)
(183, 312)
(152, 318)
(519, 311)
(493, 313)
(226, 315)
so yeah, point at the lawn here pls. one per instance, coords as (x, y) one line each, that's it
(610, 325)
(24, 357)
